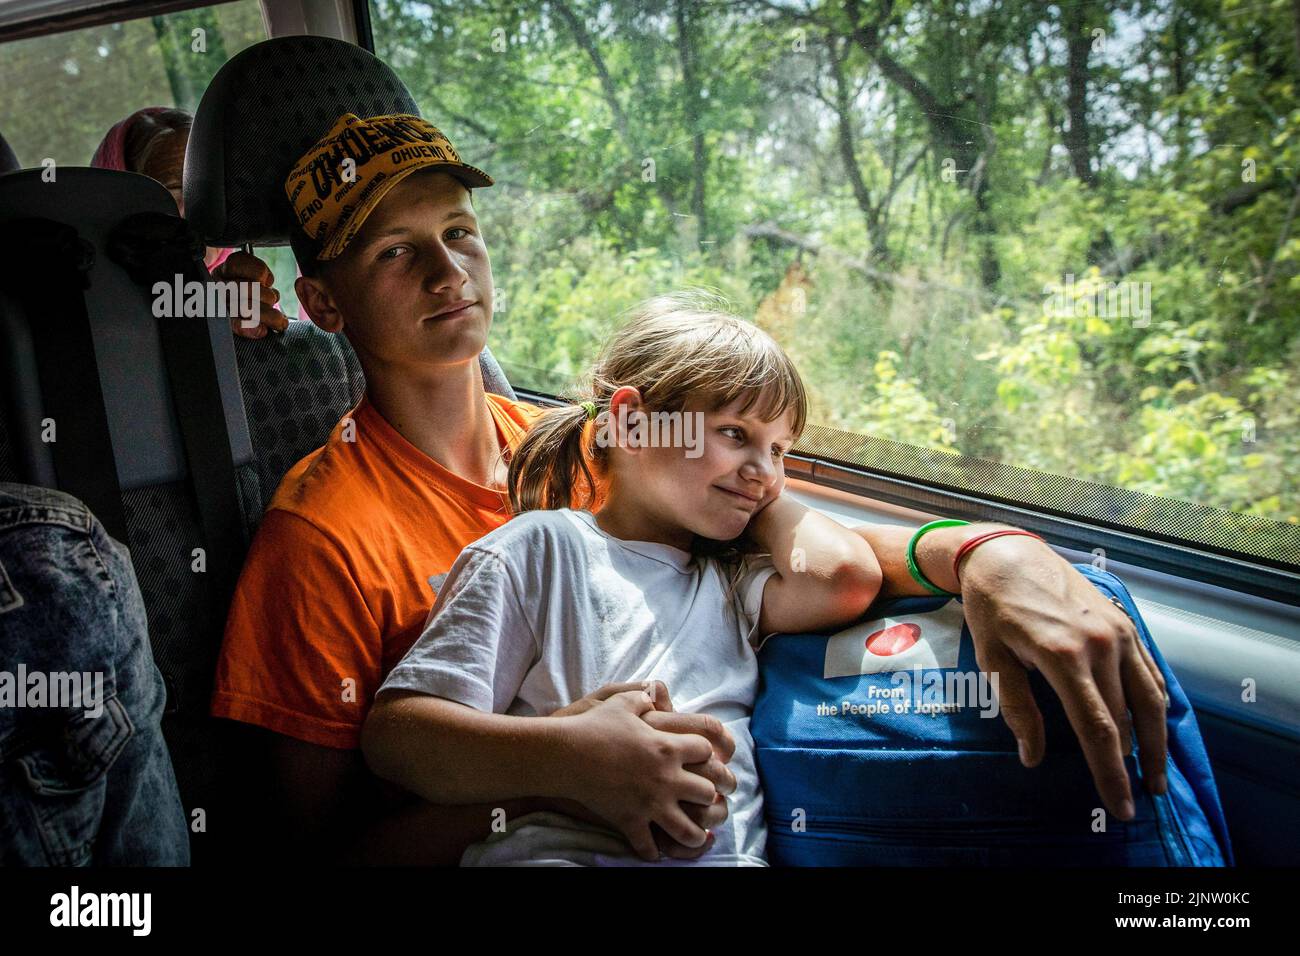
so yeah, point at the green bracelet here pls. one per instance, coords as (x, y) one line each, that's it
(914, 569)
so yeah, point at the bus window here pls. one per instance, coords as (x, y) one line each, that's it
(1048, 260)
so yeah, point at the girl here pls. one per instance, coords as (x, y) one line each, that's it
(153, 142)
(560, 600)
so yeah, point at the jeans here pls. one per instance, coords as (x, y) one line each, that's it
(85, 776)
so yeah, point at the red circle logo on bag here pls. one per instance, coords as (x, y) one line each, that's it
(894, 639)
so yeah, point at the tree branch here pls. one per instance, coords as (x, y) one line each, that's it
(849, 156)
(588, 46)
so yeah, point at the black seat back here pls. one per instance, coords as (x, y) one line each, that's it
(262, 111)
(149, 451)
(8, 161)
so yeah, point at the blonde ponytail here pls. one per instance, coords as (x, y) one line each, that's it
(549, 465)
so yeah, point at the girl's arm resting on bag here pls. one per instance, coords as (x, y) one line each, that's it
(826, 575)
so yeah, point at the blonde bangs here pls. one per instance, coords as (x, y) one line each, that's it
(686, 346)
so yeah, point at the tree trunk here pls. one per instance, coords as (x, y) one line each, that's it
(949, 131)
(631, 142)
(684, 12)
(1078, 137)
(845, 135)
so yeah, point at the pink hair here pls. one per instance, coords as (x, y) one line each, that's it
(111, 153)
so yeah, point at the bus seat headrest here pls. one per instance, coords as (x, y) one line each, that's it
(262, 111)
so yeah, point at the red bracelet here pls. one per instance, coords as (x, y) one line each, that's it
(979, 539)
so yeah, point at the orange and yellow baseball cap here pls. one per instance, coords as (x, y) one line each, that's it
(337, 183)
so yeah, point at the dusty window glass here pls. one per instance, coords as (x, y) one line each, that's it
(1046, 253)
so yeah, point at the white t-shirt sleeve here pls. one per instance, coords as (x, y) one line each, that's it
(755, 570)
(478, 644)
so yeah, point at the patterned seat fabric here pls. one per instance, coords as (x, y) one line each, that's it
(295, 391)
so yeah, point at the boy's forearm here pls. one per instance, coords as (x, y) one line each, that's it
(934, 554)
(451, 754)
(427, 834)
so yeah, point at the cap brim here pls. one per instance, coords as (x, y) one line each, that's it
(469, 175)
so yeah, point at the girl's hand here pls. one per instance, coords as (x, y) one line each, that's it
(657, 690)
(773, 493)
(1028, 609)
(635, 776)
(243, 267)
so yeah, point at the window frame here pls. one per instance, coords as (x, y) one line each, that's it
(95, 16)
(361, 25)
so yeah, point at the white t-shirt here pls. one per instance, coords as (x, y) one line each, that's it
(549, 607)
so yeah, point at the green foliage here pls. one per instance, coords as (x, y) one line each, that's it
(580, 302)
(896, 409)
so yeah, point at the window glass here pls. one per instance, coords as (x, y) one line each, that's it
(1046, 253)
(64, 90)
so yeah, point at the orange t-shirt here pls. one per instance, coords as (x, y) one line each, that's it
(342, 573)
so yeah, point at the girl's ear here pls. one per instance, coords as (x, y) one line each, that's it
(319, 304)
(626, 412)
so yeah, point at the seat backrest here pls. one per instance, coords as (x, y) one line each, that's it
(9, 163)
(296, 387)
(145, 431)
(161, 513)
(262, 110)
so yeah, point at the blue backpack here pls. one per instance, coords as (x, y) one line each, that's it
(880, 745)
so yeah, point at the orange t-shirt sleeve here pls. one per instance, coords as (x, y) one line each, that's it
(302, 655)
